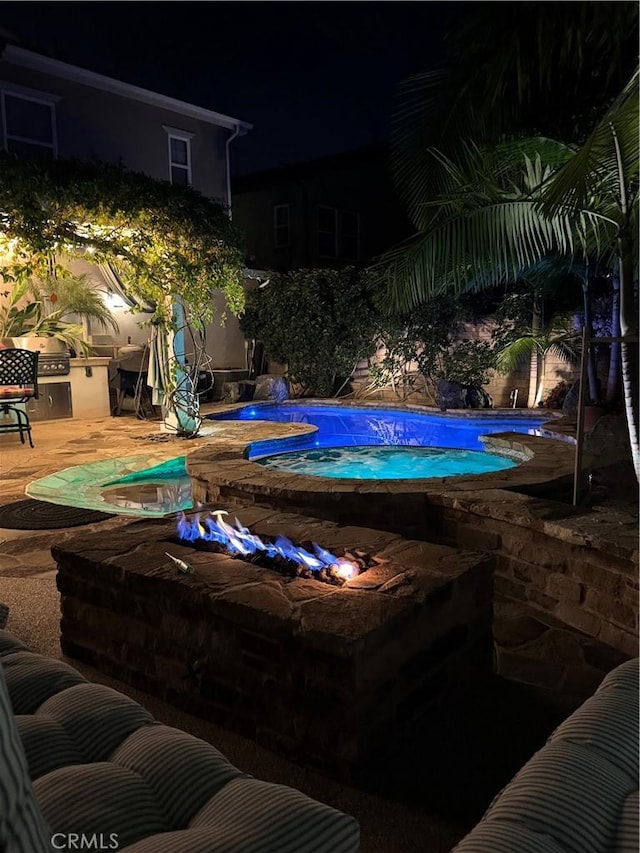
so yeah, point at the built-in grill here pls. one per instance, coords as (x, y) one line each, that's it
(54, 364)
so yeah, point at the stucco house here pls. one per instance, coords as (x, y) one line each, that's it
(51, 109)
(333, 211)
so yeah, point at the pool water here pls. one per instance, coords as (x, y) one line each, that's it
(159, 490)
(342, 426)
(382, 444)
(386, 463)
(127, 485)
(348, 442)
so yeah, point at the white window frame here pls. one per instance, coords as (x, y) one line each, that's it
(183, 136)
(37, 98)
(334, 210)
(277, 227)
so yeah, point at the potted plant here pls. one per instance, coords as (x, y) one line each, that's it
(37, 313)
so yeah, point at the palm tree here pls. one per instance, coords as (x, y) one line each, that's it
(557, 339)
(516, 205)
(602, 179)
(512, 70)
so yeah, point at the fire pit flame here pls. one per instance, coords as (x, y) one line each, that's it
(239, 540)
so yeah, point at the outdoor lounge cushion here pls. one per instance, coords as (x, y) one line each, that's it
(22, 827)
(579, 793)
(102, 766)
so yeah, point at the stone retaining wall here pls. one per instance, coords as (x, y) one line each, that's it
(546, 553)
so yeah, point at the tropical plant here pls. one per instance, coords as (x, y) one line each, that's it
(421, 346)
(555, 397)
(320, 323)
(510, 70)
(603, 180)
(559, 339)
(523, 201)
(47, 308)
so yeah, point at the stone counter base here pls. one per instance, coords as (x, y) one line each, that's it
(315, 672)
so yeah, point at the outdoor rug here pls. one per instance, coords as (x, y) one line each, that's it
(40, 515)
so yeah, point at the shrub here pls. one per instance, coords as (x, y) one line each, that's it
(319, 323)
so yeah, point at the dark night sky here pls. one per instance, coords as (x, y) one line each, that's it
(314, 78)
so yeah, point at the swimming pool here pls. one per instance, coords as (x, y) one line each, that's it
(386, 463)
(381, 443)
(342, 426)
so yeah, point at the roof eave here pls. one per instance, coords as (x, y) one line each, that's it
(37, 62)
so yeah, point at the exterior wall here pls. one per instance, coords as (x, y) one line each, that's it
(357, 182)
(92, 124)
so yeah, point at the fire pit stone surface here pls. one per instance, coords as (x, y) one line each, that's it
(312, 670)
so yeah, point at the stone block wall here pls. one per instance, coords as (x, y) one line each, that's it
(592, 587)
(315, 672)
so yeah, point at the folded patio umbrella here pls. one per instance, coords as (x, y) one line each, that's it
(159, 371)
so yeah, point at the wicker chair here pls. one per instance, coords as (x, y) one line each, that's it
(18, 384)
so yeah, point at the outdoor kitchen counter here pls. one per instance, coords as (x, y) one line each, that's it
(89, 381)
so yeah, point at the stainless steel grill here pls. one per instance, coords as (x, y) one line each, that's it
(54, 364)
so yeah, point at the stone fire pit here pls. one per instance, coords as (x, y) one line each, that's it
(313, 671)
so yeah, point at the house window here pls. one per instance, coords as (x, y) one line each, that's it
(338, 233)
(179, 156)
(29, 125)
(327, 232)
(349, 235)
(282, 225)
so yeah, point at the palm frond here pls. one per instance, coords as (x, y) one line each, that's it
(517, 353)
(492, 244)
(606, 165)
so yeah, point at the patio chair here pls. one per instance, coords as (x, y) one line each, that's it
(18, 385)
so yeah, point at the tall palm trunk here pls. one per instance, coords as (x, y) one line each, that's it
(613, 379)
(629, 349)
(592, 375)
(536, 377)
(628, 315)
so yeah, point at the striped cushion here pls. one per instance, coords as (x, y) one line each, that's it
(255, 817)
(628, 834)
(96, 717)
(184, 772)
(22, 827)
(99, 798)
(606, 724)
(46, 744)
(569, 793)
(4, 614)
(102, 765)
(32, 679)
(10, 644)
(623, 677)
(507, 837)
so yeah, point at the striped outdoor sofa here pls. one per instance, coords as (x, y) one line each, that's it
(579, 793)
(84, 767)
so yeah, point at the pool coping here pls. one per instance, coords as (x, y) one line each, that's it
(64, 487)
(542, 459)
(221, 474)
(553, 452)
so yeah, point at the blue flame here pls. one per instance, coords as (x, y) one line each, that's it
(239, 540)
